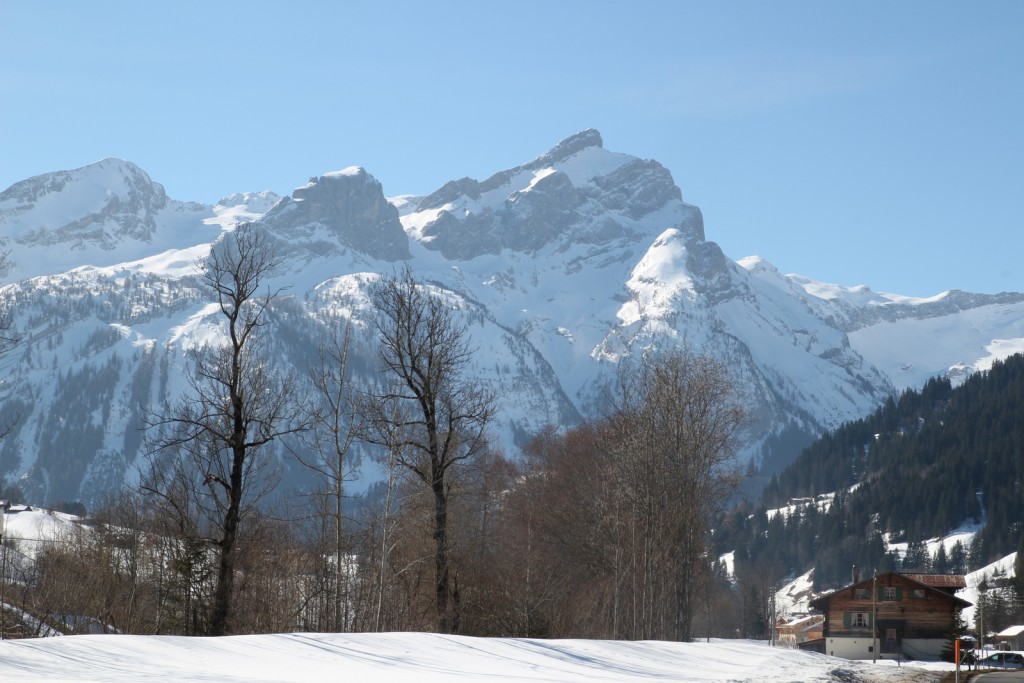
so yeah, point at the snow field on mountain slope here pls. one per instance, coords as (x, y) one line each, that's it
(1003, 567)
(428, 658)
(891, 347)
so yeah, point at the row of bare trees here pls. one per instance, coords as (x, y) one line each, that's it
(612, 519)
(599, 531)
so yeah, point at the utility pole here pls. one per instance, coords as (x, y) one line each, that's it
(4, 507)
(874, 616)
(981, 616)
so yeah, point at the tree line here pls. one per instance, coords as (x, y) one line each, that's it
(599, 531)
(923, 464)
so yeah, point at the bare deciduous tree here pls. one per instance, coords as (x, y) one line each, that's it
(237, 404)
(430, 411)
(612, 517)
(335, 424)
(673, 438)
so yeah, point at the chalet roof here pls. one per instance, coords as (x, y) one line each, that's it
(939, 580)
(801, 621)
(944, 585)
(1011, 631)
(812, 626)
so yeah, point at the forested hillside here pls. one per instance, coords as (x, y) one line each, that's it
(920, 466)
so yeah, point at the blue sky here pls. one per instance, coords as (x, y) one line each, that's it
(875, 143)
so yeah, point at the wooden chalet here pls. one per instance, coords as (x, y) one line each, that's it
(907, 616)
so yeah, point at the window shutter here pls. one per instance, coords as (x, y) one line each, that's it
(847, 619)
(899, 594)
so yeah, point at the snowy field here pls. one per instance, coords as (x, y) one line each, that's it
(427, 658)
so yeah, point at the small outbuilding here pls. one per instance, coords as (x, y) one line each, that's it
(1011, 638)
(793, 630)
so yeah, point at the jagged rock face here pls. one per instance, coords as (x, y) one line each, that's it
(114, 200)
(352, 208)
(637, 188)
(574, 194)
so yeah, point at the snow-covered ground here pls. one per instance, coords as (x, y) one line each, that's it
(1003, 567)
(424, 658)
(30, 529)
(427, 658)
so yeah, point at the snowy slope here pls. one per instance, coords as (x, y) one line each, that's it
(564, 266)
(1003, 567)
(427, 658)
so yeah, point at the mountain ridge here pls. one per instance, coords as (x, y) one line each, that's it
(564, 265)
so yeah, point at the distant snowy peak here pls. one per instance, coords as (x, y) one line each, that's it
(106, 177)
(102, 214)
(242, 207)
(908, 339)
(857, 307)
(254, 203)
(346, 207)
(100, 204)
(576, 193)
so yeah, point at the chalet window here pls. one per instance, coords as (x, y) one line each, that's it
(859, 620)
(860, 593)
(889, 593)
(919, 593)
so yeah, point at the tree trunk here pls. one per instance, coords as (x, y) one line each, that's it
(226, 570)
(442, 586)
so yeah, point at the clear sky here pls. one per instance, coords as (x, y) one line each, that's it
(871, 142)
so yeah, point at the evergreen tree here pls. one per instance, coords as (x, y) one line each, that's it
(917, 559)
(958, 559)
(940, 563)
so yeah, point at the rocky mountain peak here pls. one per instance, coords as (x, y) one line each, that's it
(575, 193)
(105, 177)
(571, 145)
(350, 205)
(100, 204)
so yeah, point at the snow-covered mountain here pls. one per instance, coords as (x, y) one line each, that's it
(565, 265)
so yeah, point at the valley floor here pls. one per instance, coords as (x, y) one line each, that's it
(428, 658)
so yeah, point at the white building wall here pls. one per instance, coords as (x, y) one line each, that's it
(849, 648)
(926, 649)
